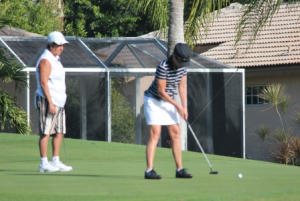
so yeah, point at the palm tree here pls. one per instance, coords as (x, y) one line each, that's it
(182, 23)
(10, 70)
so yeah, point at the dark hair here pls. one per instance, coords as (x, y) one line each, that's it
(50, 45)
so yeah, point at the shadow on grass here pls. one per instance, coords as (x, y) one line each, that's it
(15, 170)
(60, 174)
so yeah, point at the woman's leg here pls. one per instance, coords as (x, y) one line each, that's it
(152, 143)
(174, 132)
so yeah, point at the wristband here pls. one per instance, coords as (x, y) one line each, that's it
(184, 104)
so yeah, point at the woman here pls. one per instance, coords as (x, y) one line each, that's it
(50, 98)
(161, 109)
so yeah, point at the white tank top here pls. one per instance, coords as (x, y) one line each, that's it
(56, 82)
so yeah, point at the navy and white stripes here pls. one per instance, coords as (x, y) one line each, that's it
(166, 71)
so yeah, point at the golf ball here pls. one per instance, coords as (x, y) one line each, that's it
(240, 175)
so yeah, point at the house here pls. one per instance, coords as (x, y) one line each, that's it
(273, 58)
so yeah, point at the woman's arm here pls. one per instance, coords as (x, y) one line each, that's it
(183, 96)
(161, 87)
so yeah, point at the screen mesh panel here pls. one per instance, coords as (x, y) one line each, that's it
(215, 112)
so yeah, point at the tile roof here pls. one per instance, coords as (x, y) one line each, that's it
(10, 31)
(277, 44)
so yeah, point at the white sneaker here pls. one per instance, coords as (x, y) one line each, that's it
(47, 168)
(62, 167)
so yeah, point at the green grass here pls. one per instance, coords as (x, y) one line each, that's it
(113, 171)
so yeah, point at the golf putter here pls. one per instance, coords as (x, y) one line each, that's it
(211, 171)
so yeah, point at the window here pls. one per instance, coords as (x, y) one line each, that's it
(252, 93)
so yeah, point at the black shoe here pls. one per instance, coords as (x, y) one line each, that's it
(152, 175)
(183, 174)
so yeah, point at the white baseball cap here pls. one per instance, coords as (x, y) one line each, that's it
(57, 38)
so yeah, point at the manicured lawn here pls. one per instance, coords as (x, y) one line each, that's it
(113, 171)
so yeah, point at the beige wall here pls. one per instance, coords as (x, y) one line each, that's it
(258, 115)
(129, 88)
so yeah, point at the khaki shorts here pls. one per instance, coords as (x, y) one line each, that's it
(50, 123)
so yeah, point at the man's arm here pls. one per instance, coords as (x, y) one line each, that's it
(45, 71)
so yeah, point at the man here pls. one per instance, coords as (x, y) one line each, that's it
(50, 98)
(161, 109)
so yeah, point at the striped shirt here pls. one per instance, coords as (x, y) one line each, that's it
(166, 71)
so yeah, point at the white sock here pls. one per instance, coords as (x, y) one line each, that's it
(147, 171)
(44, 160)
(55, 159)
(179, 169)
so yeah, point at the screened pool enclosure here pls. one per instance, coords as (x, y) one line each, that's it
(106, 79)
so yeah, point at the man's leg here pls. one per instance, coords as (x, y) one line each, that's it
(56, 143)
(43, 145)
(174, 132)
(152, 143)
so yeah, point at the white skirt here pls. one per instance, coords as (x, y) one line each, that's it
(160, 112)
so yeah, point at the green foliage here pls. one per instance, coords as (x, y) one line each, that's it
(107, 18)
(158, 11)
(295, 144)
(35, 16)
(4, 20)
(276, 95)
(197, 14)
(263, 132)
(283, 153)
(284, 145)
(10, 114)
(76, 28)
(122, 119)
(11, 70)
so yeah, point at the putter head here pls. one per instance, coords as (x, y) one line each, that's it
(214, 172)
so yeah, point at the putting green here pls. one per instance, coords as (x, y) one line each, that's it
(113, 171)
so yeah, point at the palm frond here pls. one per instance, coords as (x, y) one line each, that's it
(295, 143)
(158, 10)
(11, 115)
(202, 15)
(296, 117)
(11, 70)
(284, 153)
(273, 93)
(256, 16)
(282, 136)
(263, 132)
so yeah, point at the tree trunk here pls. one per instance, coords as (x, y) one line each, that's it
(176, 35)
